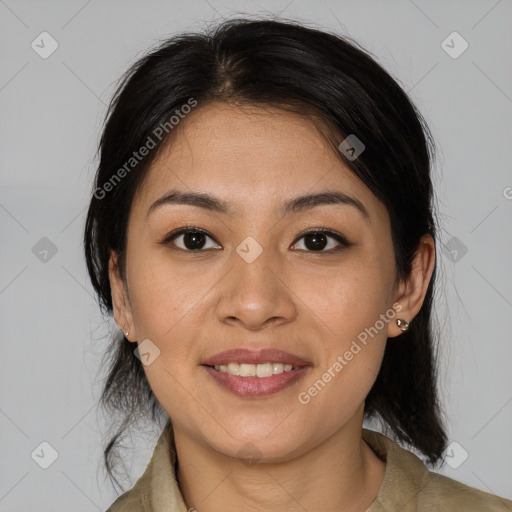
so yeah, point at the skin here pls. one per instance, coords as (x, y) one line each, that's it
(193, 305)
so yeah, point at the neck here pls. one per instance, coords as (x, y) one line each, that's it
(342, 474)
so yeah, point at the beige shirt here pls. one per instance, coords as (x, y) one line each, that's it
(408, 485)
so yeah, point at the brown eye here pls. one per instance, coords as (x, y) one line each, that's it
(192, 239)
(317, 239)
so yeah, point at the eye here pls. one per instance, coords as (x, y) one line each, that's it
(316, 239)
(193, 239)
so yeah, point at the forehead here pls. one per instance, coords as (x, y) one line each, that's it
(251, 157)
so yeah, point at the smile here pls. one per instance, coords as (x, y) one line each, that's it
(256, 380)
(261, 370)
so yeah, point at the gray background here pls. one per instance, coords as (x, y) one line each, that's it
(51, 115)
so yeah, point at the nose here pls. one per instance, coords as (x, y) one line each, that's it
(256, 295)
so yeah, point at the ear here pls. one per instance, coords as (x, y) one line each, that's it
(120, 299)
(411, 292)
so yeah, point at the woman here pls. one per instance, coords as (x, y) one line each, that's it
(261, 227)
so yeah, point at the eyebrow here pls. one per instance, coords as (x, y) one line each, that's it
(294, 205)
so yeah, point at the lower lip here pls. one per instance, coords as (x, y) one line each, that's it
(256, 386)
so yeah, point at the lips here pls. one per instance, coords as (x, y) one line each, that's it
(245, 356)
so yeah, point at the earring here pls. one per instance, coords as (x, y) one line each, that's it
(127, 332)
(403, 324)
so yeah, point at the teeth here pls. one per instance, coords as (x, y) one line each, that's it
(254, 370)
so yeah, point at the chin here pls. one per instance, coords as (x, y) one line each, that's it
(254, 442)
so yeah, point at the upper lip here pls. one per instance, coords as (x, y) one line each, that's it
(245, 356)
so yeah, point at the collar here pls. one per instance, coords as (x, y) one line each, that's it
(157, 489)
(406, 474)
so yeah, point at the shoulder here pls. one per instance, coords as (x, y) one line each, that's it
(137, 499)
(440, 492)
(126, 503)
(409, 486)
(157, 489)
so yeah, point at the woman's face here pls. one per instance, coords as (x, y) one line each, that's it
(255, 281)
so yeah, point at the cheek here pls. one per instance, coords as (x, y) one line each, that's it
(352, 314)
(164, 294)
(350, 297)
(350, 357)
(166, 305)
(336, 394)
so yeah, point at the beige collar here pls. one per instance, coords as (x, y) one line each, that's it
(404, 471)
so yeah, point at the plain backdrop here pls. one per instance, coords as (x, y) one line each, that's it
(51, 116)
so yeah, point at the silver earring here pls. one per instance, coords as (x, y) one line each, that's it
(403, 324)
(127, 332)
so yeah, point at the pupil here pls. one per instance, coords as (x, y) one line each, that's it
(318, 241)
(193, 240)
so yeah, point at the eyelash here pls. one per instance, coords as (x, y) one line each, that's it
(341, 239)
